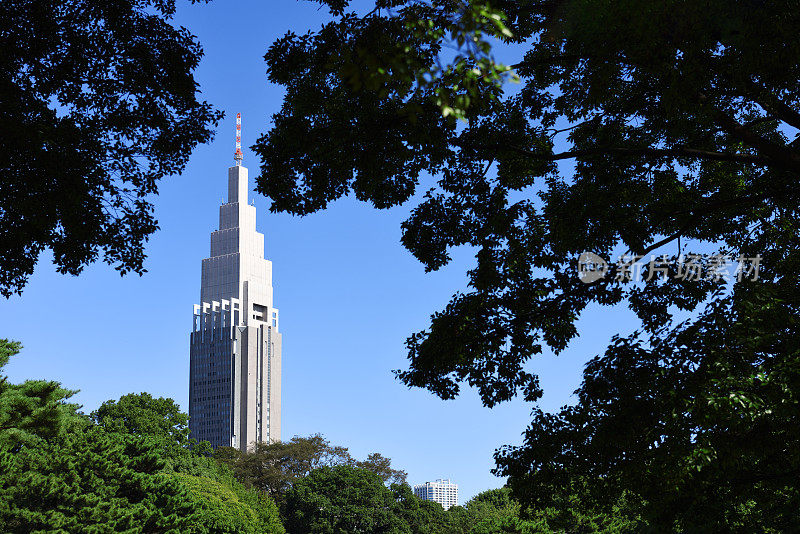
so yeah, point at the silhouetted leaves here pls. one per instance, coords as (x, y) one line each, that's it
(97, 104)
(637, 126)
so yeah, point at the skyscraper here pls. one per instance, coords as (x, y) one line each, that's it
(235, 345)
(442, 491)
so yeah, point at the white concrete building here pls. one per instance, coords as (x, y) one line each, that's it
(235, 345)
(442, 491)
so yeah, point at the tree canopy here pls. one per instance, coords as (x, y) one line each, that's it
(35, 408)
(97, 104)
(128, 468)
(658, 130)
(142, 414)
(275, 467)
(347, 499)
(339, 499)
(62, 472)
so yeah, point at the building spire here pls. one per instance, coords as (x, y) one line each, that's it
(237, 156)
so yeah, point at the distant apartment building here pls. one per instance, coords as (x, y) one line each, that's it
(441, 490)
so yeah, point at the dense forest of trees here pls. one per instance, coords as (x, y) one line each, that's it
(131, 466)
(127, 467)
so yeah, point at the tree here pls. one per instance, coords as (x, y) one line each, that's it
(275, 467)
(714, 446)
(382, 466)
(493, 511)
(637, 126)
(422, 517)
(61, 472)
(97, 104)
(141, 414)
(31, 409)
(498, 511)
(227, 507)
(89, 480)
(342, 500)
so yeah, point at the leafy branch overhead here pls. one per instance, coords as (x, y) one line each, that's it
(458, 67)
(98, 104)
(650, 127)
(461, 29)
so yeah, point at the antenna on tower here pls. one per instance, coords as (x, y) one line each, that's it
(237, 156)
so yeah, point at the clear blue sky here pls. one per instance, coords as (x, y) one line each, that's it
(348, 294)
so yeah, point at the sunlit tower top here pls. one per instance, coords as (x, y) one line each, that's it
(237, 156)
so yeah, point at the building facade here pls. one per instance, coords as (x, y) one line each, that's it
(442, 491)
(235, 344)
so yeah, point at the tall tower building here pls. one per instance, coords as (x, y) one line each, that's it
(235, 345)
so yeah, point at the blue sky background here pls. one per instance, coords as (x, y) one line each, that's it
(348, 292)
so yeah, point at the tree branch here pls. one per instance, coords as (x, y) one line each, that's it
(669, 238)
(780, 156)
(777, 107)
(696, 214)
(630, 151)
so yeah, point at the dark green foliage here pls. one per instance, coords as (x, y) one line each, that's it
(708, 428)
(132, 471)
(497, 511)
(97, 104)
(33, 408)
(90, 481)
(274, 467)
(494, 511)
(382, 466)
(228, 507)
(422, 517)
(677, 121)
(94, 481)
(141, 414)
(7, 350)
(352, 148)
(344, 499)
(341, 500)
